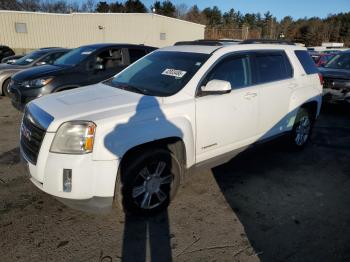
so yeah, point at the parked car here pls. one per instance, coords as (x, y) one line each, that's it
(11, 59)
(315, 55)
(324, 58)
(5, 51)
(82, 66)
(336, 78)
(36, 58)
(134, 137)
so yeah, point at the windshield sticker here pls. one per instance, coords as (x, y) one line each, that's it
(29, 60)
(198, 64)
(174, 72)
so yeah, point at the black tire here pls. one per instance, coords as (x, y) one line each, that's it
(5, 86)
(302, 129)
(137, 185)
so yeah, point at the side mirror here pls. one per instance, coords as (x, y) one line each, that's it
(40, 63)
(217, 87)
(98, 67)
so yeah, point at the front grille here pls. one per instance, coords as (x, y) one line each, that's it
(31, 138)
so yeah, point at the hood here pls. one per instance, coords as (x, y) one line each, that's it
(39, 71)
(10, 67)
(92, 103)
(335, 73)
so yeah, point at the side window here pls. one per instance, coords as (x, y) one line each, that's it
(136, 54)
(234, 69)
(306, 61)
(110, 59)
(50, 59)
(273, 66)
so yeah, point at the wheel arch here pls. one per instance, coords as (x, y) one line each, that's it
(3, 85)
(174, 144)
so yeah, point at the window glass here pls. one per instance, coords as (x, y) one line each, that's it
(50, 59)
(341, 61)
(273, 66)
(109, 59)
(75, 56)
(306, 61)
(235, 70)
(161, 73)
(136, 54)
(26, 60)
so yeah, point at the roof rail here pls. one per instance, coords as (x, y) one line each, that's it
(266, 41)
(208, 42)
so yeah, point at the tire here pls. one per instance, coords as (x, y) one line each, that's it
(302, 129)
(5, 86)
(148, 182)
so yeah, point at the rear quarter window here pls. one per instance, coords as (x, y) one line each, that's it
(306, 61)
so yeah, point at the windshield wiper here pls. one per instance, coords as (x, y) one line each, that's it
(130, 88)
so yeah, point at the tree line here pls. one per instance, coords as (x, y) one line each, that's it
(311, 31)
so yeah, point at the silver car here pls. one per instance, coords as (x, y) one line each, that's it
(38, 57)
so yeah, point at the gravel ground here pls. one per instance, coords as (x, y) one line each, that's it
(267, 204)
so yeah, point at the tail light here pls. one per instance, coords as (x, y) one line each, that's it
(321, 78)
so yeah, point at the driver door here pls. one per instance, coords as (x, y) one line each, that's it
(226, 122)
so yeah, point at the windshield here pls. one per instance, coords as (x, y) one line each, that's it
(75, 56)
(26, 60)
(160, 73)
(341, 61)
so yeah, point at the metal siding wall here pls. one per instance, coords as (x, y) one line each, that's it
(72, 30)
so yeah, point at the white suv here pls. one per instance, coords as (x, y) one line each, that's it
(134, 137)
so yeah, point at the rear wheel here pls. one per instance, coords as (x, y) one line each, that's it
(148, 182)
(6, 88)
(302, 128)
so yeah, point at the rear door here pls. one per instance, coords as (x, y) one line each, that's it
(275, 82)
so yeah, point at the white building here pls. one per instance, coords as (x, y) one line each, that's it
(31, 30)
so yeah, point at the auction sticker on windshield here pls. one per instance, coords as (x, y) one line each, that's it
(174, 72)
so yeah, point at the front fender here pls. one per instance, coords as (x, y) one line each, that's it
(114, 142)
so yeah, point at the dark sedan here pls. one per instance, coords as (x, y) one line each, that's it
(82, 66)
(336, 78)
(38, 57)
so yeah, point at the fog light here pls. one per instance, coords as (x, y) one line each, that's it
(67, 180)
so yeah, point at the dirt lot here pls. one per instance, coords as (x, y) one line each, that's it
(267, 204)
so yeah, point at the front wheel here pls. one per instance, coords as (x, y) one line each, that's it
(302, 128)
(148, 181)
(6, 88)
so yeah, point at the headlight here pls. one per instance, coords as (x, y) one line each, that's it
(76, 137)
(40, 82)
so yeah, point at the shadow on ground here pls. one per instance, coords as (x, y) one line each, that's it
(290, 210)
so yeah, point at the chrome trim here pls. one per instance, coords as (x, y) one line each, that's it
(38, 116)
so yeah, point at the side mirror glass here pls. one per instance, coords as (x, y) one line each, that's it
(217, 87)
(41, 63)
(98, 67)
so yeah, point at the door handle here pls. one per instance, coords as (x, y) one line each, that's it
(250, 95)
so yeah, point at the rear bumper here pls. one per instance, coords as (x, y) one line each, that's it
(336, 95)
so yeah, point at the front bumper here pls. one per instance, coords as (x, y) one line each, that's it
(21, 96)
(93, 182)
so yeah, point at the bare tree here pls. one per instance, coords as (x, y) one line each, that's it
(181, 11)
